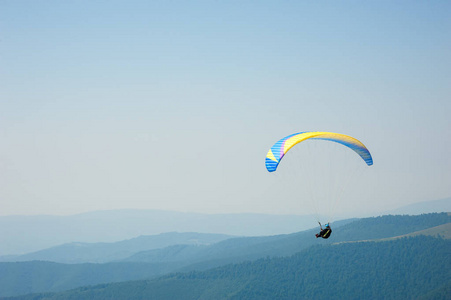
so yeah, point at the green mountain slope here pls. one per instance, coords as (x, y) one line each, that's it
(240, 249)
(189, 258)
(407, 268)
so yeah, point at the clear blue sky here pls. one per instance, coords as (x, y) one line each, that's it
(174, 104)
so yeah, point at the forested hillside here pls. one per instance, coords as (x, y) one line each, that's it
(240, 249)
(407, 268)
(16, 279)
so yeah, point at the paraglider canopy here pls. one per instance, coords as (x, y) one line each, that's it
(281, 147)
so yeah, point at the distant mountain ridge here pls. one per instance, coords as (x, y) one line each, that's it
(424, 207)
(28, 277)
(24, 234)
(73, 253)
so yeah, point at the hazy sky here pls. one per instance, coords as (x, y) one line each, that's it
(173, 104)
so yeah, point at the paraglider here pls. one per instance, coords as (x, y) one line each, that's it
(324, 233)
(281, 147)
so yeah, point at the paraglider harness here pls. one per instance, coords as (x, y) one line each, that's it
(324, 233)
